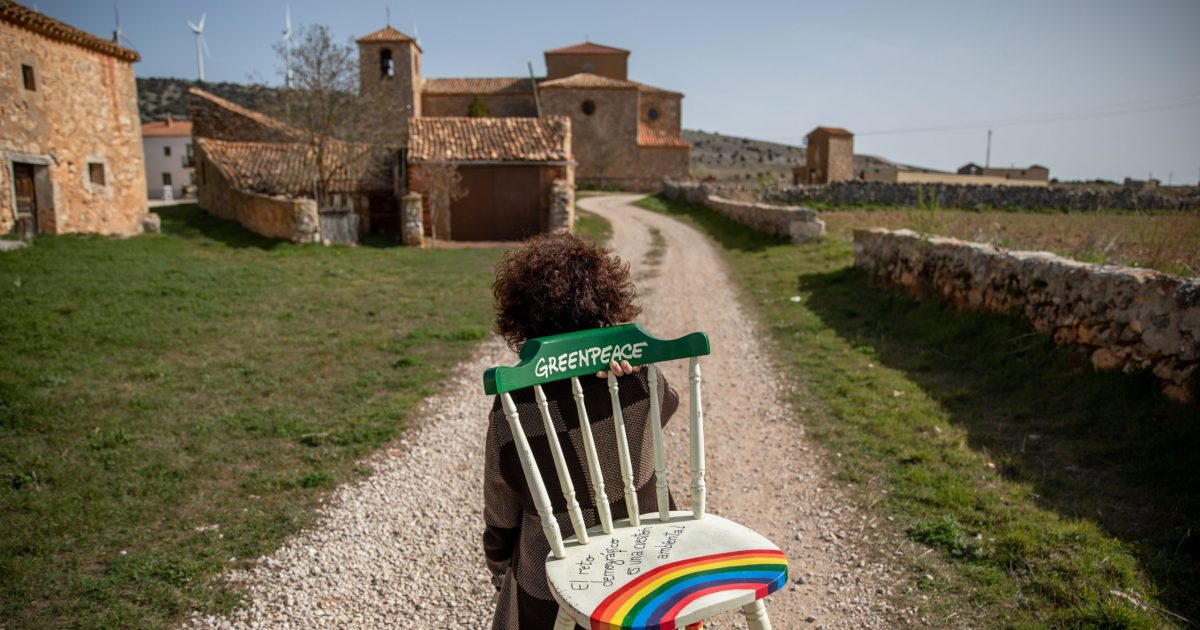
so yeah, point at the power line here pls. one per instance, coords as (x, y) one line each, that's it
(1157, 104)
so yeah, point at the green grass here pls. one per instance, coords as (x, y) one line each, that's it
(592, 226)
(174, 405)
(1051, 495)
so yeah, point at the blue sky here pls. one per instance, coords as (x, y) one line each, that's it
(773, 70)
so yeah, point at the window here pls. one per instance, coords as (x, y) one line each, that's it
(27, 74)
(587, 67)
(652, 114)
(588, 107)
(96, 173)
(166, 179)
(167, 151)
(387, 67)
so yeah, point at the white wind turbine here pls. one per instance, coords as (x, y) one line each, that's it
(287, 44)
(201, 45)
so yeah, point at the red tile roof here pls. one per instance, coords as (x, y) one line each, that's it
(47, 26)
(587, 48)
(831, 131)
(478, 85)
(645, 88)
(287, 168)
(167, 128)
(385, 34)
(266, 121)
(650, 137)
(589, 81)
(545, 139)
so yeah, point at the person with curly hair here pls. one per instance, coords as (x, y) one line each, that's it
(555, 284)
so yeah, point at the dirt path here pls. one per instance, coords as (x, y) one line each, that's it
(402, 548)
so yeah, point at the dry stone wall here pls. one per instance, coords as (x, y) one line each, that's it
(276, 217)
(795, 222)
(1126, 318)
(858, 193)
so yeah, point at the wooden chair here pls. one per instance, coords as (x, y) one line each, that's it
(655, 570)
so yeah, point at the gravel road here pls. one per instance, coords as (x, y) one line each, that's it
(401, 549)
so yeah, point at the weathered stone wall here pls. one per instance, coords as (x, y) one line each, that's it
(83, 110)
(605, 142)
(656, 163)
(561, 216)
(499, 105)
(216, 118)
(669, 108)
(276, 217)
(856, 193)
(795, 222)
(394, 99)
(1130, 318)
(559, 65)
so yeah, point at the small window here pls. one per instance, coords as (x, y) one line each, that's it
(588, 107)
(96, 173)
(587, 67)
(27, 74)
(167, 151)
(166, 179)
(652, 114)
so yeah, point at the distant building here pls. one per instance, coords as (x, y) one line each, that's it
(829, 157)
(1141, 185)
(70, 139)
(1035, 172)
(893, 176)
(170, 160)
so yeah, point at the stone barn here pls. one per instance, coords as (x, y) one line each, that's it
(829, 157)
(70, 137)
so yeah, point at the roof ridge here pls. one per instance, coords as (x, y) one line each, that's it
(42, 24)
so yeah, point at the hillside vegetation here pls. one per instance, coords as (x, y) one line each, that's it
(159, 96)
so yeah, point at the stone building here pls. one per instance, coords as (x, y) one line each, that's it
(170, 158)
(829, 157)
(70, 134)
(1035, 172)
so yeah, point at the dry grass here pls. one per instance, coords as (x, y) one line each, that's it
(1166, 241)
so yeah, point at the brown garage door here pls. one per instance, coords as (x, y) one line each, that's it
(503, 203)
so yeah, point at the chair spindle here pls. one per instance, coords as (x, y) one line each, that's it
(660, 453)
(631, 503)
(697, 442)
(560, 465)
(534, 476)
(593, 461)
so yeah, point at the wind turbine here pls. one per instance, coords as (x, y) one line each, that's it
(287, 44)
(119, 35)
(201, 45)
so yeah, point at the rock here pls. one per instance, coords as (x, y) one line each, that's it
(151, 223)
(12, 246)
(1104, 359)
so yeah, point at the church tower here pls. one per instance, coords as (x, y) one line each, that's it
(389, 76)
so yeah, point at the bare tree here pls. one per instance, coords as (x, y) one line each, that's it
(442, 185)
(328, 115)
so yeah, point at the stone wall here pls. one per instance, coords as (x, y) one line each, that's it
(499, 105)
(219, 119)
(656, 163)
(795, 222)
(669, 108)
(561, 216)
(856, 193)
(271, 216)
(1126, 317)
(604, 143)
(83, 110)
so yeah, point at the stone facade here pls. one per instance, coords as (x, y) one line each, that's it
(70, 134)
(274, 216)
(499, 105)
(1125, 317)
(562, 206)
(829, 156)
(605, 141)
(605, 61)
(389, 77)
(797, 223)
(855, 193)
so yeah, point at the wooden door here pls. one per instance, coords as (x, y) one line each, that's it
(26, 197)
(503, 203)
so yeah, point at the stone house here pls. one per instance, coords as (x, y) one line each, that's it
(70, 135)
(829, 157)
(170, 158)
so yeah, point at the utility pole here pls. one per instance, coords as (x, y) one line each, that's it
(987, 162)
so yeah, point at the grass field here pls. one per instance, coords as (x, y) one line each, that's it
(1049, 495)
(592, 226)
(174, 405)
(1168, 241)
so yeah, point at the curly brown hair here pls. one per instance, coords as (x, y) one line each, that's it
(557, 283)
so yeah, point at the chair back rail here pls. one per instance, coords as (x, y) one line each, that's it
(571, 355)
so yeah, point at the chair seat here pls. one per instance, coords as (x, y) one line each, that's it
(664, 575)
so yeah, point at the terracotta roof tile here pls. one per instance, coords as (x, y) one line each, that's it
(385, 34)
(47, 26)
(545, 139)
(587, 48)
(589, 81)
(285, 168)
(646, 88)
(650, 137)
(164, 128)
(478, 85)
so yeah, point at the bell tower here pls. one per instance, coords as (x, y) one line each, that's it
(389, 78)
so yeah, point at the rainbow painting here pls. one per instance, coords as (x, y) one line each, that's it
(656, 598)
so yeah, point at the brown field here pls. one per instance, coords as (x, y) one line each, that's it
(1165, 241)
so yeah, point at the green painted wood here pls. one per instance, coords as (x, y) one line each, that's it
(558, 357)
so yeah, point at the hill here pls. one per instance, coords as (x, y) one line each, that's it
(159, 96)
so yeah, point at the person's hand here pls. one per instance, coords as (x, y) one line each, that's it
(619, 369)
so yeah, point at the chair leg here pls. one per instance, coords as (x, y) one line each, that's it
(564, 620)
(756, 615)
